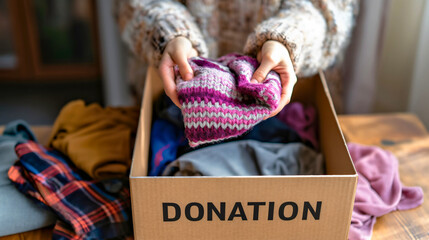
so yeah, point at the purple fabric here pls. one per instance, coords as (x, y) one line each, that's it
(303, 119)
(379, 189)
(220, 102)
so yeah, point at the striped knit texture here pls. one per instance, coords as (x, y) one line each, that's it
(220, 102)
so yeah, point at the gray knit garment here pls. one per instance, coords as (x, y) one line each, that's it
(248, 158)
(18, 213)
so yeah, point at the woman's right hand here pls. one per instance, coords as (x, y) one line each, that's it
(176, 52)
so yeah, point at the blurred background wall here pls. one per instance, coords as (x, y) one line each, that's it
(54, 51)
(388, 61)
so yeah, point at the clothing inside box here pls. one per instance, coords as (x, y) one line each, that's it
(286, 144)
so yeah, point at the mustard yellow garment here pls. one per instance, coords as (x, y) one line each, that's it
(98, 140)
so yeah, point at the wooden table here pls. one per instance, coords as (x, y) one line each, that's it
(407, 138)
(403, 134)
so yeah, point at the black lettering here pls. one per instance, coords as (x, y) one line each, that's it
(282, 211)
(200, 211)
(270, 210)
(256, 208)
(239, 207)
(212, 208)
(165, 212)
(308, 207)
(238, 211)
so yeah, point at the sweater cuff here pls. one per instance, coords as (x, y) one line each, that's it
(275, 29)
(179, 23)
(168, 32)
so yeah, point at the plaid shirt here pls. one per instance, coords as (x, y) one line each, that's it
(84, 208)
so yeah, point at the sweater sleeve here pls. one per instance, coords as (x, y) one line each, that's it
(146, 26)
(314, 32)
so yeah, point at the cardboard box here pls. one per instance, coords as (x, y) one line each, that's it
(253, 207)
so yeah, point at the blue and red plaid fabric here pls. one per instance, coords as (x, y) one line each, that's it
(84, 208)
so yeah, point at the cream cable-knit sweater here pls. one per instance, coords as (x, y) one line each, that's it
(314, 31)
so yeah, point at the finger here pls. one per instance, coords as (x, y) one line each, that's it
(261, 72)
(259, 56)
(287, 90)
(193, 53)
(175, 98)
(166, 72)
(184, 68)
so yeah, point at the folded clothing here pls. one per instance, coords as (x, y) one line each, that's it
(248, 158)
(18, 212)
(98, 140)
(84, 208)
(220, 102)
(379, 189)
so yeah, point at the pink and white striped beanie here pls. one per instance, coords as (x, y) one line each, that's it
(220, 102)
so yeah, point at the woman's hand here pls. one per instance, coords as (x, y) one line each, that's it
(177, 52)
(274, 56)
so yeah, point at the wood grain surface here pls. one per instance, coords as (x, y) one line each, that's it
(39, 234)
(382, 129)
(406, 137)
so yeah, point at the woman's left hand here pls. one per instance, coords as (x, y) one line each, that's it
(275, 56)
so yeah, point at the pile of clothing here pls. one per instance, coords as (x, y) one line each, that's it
(221, 131)
(272, 147)
(79, 182)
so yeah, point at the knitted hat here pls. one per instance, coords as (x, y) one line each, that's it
(220, 102)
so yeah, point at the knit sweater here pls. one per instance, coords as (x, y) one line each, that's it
(313, 31)
(220, 102)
